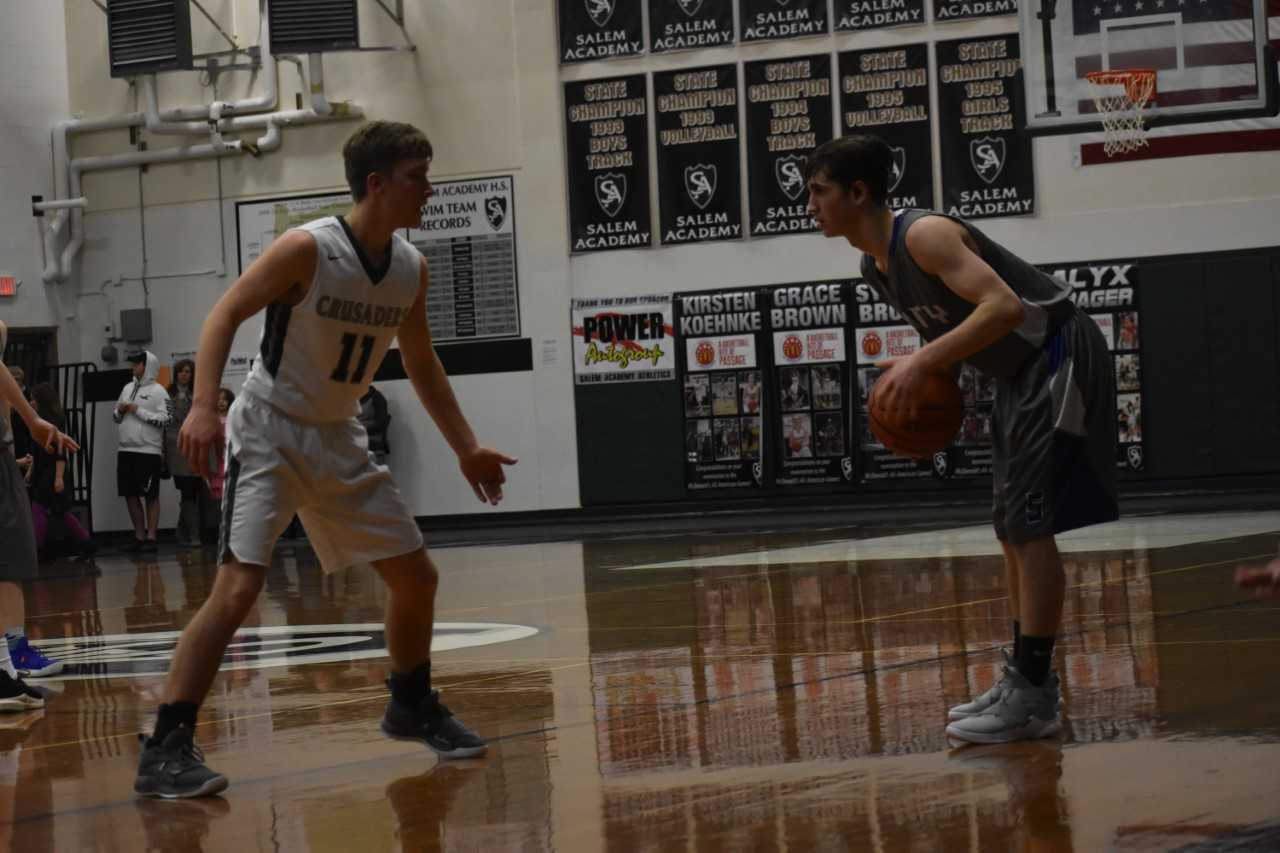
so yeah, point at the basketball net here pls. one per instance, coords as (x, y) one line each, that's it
(1121, 97)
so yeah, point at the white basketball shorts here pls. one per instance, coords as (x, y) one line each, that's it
(278, 466)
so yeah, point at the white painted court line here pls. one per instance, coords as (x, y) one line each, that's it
(1140, 533)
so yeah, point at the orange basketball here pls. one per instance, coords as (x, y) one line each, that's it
(941, 412)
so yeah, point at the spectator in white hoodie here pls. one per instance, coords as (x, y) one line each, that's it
(142, 412)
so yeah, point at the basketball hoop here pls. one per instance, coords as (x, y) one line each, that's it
(1121, 97)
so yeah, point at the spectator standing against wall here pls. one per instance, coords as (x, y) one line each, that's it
(194, 497)
(50, 483)
(143, 411)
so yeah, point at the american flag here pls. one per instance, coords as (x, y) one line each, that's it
(1211, 63)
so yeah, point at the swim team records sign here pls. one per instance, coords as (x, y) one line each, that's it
(986, 161)
(886, 92)
(788, 115)
(689, 24)
(699, 193)
(600, 29)
(468, 237)
(607, 134)
(469, 240)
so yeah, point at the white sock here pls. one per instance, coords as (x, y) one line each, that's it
(6, 662)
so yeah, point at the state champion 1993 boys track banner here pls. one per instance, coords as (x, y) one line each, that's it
(607, 137)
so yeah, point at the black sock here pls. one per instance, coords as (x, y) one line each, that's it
(172, 716)
(1017, 638)
(1035, 656)
(410, 688)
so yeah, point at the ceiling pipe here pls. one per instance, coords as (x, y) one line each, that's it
(268, 101)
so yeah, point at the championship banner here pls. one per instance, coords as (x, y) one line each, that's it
(623, 339)
(856, 15)
(1108, 293)
(607, 137)
(762, 20)
(600, 29)
(723, 394)
(688, 24)
(986, 160)
(882, 333)
(886, 92)
(788, 115)
(808, 322)
(699, 192)
(960, 10)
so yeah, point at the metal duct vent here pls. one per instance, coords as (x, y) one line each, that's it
(313, 26)
(145, 36)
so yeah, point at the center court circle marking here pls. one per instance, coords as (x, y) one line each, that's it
(148, 655)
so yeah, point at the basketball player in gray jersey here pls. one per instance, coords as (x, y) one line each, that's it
(336, 291)
(1053, 420)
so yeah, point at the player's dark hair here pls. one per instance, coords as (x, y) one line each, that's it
(377, 147)
(860, 157)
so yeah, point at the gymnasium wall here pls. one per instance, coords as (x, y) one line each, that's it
(34, 70)
(487, 85)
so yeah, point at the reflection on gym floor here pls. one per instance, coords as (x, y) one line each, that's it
(777, 692)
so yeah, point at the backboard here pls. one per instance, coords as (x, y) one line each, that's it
(1211, 57)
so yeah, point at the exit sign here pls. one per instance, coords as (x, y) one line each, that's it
(8, 285)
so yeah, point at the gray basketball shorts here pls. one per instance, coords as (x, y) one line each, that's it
(17, 533)
(278, 466)
(1054, 438)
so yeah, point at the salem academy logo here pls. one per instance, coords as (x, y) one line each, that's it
(987, 156)
(898, 168)
(690, 7)
(148, 655)
(601, 11)
(792, 348)
(611, 192)
(787, 171)
(872, 346)
(495, 210)
(700, 184)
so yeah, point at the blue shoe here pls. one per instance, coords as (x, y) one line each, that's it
(30, 663)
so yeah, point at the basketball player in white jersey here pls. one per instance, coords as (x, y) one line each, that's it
(337, 291)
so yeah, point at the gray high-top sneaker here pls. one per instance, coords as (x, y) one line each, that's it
(984, 701)
(1022, 712)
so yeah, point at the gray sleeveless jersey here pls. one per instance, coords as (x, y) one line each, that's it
(935, 309)
(317, 357)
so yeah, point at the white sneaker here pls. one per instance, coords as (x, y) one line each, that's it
(1023, 712)
(981, 703)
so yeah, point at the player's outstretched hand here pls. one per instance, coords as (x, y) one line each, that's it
(52, 439)
(483, 469)
(1263, 580)
(200, 432)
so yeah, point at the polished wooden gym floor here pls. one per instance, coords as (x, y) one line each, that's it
(773, 691)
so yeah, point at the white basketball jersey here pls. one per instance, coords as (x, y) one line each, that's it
(316, 358)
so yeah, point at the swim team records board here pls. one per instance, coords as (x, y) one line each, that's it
(468, 239)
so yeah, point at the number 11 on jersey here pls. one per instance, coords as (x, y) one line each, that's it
(344, 361)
